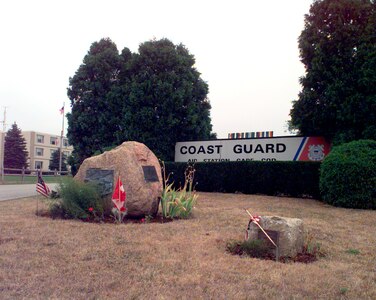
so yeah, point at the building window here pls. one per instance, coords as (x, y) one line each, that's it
(38, 164)
(65, 143)
(40, 138)
(39, 151)
(54, 140)
(53, 151)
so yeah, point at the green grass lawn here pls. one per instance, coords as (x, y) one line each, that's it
(29, 179)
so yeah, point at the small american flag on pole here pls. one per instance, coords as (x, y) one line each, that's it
(42, 188)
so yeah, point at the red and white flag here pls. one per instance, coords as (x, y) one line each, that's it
(61, 110)
(119, 195)
(42, 188)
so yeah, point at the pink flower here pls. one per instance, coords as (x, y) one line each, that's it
(91, 209)
(143, 220)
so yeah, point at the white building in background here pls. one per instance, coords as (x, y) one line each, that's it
(40, 147)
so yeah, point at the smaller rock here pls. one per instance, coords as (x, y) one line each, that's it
(289, 233)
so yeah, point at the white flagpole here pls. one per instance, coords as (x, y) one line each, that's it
(2, 145)
(61, 140)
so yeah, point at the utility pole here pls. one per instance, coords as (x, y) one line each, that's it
(3, 144)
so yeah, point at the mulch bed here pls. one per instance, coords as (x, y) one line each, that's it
(111, 220)
(303, 257)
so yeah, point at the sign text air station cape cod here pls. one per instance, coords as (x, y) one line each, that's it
(262, 149)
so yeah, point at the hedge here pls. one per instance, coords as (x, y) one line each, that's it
(348, 175)
(295, 179)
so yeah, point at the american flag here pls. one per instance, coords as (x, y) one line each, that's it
(42, 188)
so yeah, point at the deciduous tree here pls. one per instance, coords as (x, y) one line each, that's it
(166, 98)
(338, 49)
(94, 119)
(155, 96)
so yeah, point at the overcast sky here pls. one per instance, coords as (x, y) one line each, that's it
(246, 51)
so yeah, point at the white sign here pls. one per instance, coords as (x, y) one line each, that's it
(262, 149)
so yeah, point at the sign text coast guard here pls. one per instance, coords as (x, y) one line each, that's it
(263, 149)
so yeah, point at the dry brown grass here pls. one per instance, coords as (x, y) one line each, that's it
(185, 259)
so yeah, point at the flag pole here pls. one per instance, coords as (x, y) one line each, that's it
(61, 141)
(37, 197)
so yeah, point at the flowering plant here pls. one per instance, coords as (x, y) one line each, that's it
(93, 214)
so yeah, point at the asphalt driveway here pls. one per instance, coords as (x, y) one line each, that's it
(15, 191)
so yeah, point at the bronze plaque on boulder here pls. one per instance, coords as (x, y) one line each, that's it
(103, 178)
(150, 174)
(274, 235)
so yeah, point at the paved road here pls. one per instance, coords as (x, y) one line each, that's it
(15, 191)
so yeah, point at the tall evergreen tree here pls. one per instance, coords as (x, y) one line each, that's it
(338, 49)
(15, 154)
(55, 161)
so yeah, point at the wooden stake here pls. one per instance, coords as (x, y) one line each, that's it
(261, 229)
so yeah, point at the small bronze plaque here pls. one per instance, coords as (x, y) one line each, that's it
(150, 174)
(274, 235)
(104, 179)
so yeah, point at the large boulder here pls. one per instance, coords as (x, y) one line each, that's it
(288, 233)
(139, 171)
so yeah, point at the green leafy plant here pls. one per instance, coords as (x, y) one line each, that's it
(348, 175)
(353, 251)
(178, 203)
(78, 200)
(343, 290)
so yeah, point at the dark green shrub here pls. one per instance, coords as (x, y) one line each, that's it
(78, 200)
(348, 175)
(288, 178)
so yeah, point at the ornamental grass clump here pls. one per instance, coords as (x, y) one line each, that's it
(178, 203)
(78, 201)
